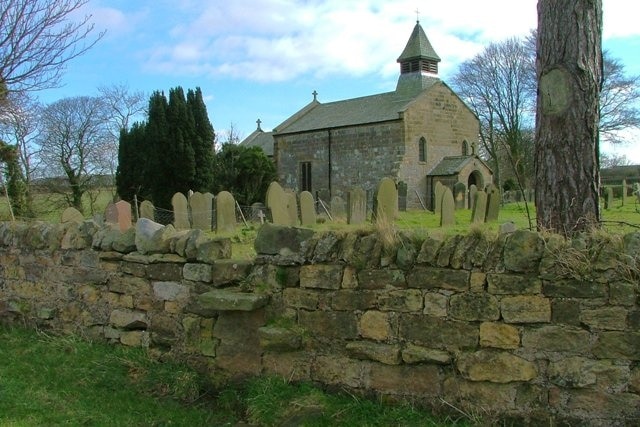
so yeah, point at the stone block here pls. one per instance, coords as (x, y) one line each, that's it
(479, 397)
(210, 251)
(405, 301)
(380, 279)
(604, 405)
(421, 380)
(326, 324)
(477, 281)
(417, 354)
(623, 293)
(567, 339)
(170, 291)
(438, 278)
(525, 309)
(275, 239)
(227, 271)
(165, 272)
(429, 251)
(135, 338)
(574, 289)
(512, 284)
(495, 366)
(300, 298)
(523, 251)
(375, 325)
(336, 370)
(435, 304)
(279, 339)
(128, 319)
(321, 276)
(197, 272)
(239, 350)
(474, 307)
(499, 335)
(384, 353)
(565, 311)
(208, 303)
(605, 318)
(436, 332)
(618, 345)
(353, 300)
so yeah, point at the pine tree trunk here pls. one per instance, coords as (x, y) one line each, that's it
(569, 71)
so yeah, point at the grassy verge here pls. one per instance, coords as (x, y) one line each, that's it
(48, 380)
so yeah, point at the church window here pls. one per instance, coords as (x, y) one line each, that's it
(305, 176)
(422, 150)
(465, 148)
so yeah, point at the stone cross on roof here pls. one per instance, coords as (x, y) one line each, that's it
(258, 122)
(315, 95)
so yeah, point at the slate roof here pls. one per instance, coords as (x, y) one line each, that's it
(262, 139)
(418, 46)
(450, 165)
(368, 109)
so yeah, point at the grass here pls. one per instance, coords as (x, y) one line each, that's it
(50, 380)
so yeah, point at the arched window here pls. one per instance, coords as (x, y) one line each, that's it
(422, 150)
(465, 148)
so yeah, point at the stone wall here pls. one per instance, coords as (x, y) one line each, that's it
(521, 327)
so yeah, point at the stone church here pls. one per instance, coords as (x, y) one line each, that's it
(419, 134)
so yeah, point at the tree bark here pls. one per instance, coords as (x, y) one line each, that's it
(569, 71)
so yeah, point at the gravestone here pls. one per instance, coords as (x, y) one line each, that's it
(438, 191)
(338, 208)
(201, 210)
(258, 213)
(356, 206)
(277, 204)
(473, 190)
(71, 215)
(447, 208)
(493, 203)
(292, 207)
(225, 213)
(636, 191)
(111, 213)
(608, 197)
(479, 207)
(307, 209)
(123, 209)
(147, 210)
(624, 190)
(402, 196)
(386, 200)
(460, 195)
(180, 212)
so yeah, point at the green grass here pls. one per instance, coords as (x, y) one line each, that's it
(49, 380)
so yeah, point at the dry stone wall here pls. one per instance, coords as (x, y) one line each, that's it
(520, 327)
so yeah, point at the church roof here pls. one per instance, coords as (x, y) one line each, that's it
(418, 46)
(356, 111)
(451, 165)
(261, 139)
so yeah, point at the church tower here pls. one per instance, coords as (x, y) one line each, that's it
(418, 63)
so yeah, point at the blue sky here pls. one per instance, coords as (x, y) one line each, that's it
(263, 58)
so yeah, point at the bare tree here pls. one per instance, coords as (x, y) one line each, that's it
(37, 39)
(618, 100)
(569, 72)
(75, 145)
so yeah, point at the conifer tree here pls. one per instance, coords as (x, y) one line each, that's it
(203, 141)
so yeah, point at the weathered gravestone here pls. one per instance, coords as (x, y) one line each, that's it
(147, 210)
(277, 204)
(493, 203)
(258, 212)
(225, 212)
(479, 207)
(636, 191)
(403, 189)
(473, 190)
(447, 208)
(438, 191)
(292, 207)
(356, 206)
(111, 213)
(608, 197)
(71, 215)
(307, 209)
(123, 209)
(386, 201)
(338, 208)
(201, 210)
(460, 195)
(180, 212)
(624, 190)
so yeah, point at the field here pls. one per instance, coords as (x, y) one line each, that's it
(49, 380)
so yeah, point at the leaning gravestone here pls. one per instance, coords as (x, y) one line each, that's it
(356, 206)
(338, 208)
(201, 208)
(147, 210)
(277, 204)
(608, 197)
(225, 213)
(493, 203)
(479, 208)
(386, 200)
(123, 208)
(447, 208)
(292, 207)
(460, 195)
(307, 209)
(438, 191)
(473, 190)
(180, 212)
(403, 190)
(71, 215)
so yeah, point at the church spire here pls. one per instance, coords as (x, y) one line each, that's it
(418, 55)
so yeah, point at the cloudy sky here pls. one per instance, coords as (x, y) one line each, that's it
(263, 58)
